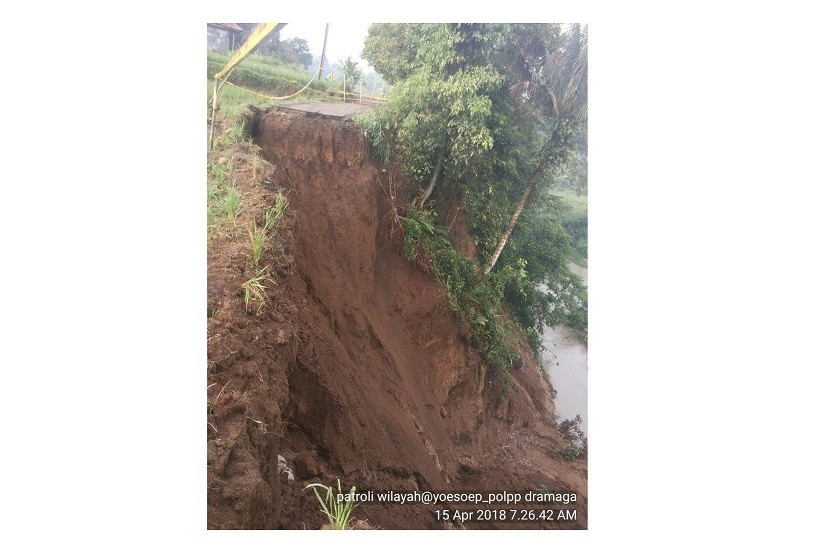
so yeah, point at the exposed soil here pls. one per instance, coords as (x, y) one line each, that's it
(355, 368)
(249, 355)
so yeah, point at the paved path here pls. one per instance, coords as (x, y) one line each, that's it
(335, 109)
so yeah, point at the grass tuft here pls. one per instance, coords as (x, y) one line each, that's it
(233, 135)
(273, 216)
(338, 513)
(257, 236)
(254, 289)
(231, 203)
(224, 201)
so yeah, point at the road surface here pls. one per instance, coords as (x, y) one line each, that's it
(335, 109)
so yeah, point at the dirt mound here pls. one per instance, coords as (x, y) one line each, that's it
(375, 382)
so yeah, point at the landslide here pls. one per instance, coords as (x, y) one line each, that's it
(368, 376)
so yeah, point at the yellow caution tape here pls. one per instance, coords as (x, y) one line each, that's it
(260, 32)
(270, 97)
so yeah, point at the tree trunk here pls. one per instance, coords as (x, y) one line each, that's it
(423, 198)
(515, 218)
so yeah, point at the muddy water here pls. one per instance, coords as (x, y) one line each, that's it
(565, 359)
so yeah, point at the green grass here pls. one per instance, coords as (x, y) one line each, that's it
(224, 201)
(234, 134)
(233, 105)
(219, 174)
(338, 513)
(231, 203)
(273, 217)
(233, 102)
(257, 236)
(267, 75)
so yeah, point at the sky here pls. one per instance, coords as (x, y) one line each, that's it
(345, 39)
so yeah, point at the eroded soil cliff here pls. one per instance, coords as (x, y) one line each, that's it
(355, 368)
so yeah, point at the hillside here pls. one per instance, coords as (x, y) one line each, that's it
(354, 367)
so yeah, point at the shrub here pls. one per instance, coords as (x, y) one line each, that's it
(478, 303)
(577, 440)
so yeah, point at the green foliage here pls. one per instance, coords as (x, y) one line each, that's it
(338, 513)
(219, 173)
(392, 48)
(235, 133)
(443, 109)
(273, 217)
(231, 202)
(224, 201)
(381, 134)
(572, 176)
(478, 303)
(569, 454)
(577, 440)
(494, 104)
(257, 236)
(350, 71)
(295, 52)
(418, 226)
(532, 271)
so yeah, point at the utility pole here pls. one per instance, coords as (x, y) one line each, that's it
(323, 57)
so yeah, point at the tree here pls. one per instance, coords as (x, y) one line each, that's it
(441, 108)
(295, 51)
(482, 116)
(392, 48)
(350, 71)
(561, 89)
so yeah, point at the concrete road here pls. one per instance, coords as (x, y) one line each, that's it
(335, 109)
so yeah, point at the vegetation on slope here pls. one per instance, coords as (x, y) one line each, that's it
(489, 116)
(270, 76)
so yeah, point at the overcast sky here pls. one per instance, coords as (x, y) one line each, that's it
(345, 39)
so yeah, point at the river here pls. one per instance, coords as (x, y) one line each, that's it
(565, 359)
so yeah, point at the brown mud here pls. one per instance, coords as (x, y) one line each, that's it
(355, 368)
